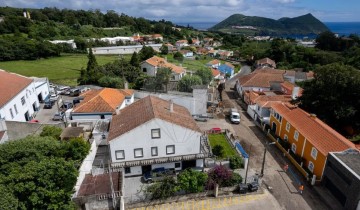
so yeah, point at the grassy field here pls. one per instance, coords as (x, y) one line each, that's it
(220, 139)
(60, 70)
(190, 64)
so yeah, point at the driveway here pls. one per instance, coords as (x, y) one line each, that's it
(133, 189)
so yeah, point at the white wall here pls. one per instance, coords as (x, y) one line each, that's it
(186, 141)
(42, 87)
(30, 96)
(122, 49)
(150, 69)
(135, 170)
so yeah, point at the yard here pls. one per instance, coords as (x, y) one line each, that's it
(220, 139)
(190, 64)
(61, 70)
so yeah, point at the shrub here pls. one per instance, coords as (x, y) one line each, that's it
(236, 162)
(218, 150)
(51, 131)
(191, 181)
(235, 179)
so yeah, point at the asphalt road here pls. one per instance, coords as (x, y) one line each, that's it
(284, 186)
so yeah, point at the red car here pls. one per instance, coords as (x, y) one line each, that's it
(34, 121)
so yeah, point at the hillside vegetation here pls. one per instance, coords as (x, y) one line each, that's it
(305, 24)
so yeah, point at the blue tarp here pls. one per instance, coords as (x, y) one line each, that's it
(241, 149)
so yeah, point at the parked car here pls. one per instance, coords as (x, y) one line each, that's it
(54, 97)
(253, 186)
(234, 116)
(243, 188)
(75, 92)
(48, 104)
(158, 174)
(66, 105)
(34, 121)
(58, 116)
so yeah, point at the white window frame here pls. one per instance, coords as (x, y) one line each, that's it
(293, 148)
(155, 133)
(296, 135)
(287, 127)
(119, 154)
(168, 147)
(286, 138)
(137, 152)
(154, 151)
(314, 153)
(311, 168)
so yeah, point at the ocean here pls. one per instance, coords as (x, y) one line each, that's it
(341, 28)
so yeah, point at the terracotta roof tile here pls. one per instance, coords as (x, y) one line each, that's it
(260, 79)
(322, 136)
(100, 184)
(215, 72)
(214, 62)
(269, 71)
(104, 100)
(147, 109)
(266, 61)
(161, 62)
(267, 101)
(10, 85)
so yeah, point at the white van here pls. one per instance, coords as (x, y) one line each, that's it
(234, 116)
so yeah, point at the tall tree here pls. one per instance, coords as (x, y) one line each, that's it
(205, 74)
(162, 78)
(146, 52)
(134, 61)
(334, 96)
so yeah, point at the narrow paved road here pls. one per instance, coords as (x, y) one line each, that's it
(284, 185)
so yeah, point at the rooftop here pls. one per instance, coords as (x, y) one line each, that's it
(10, 85)
(319, 134)
(100, 184)
(266, 61)
(260, 79)
(161, 62)
(350, 158)
(147, 109)
(103, 100)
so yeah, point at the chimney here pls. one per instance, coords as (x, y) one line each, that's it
(171, 108)
(126, 85)
(295, 92)
(313, 116)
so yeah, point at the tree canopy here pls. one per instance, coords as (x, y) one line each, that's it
(186, 82)
(205, 74)
(334, 96)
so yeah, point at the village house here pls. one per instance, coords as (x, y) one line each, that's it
(227, 69)
(181, 43)
(214, 64)
(102, 104)
(309, 138)
(170, 47)
(260, 81)
(187, 53)
(265, 62)
(20, 96)
(153, 133)
(216, 73)
(151, 65)
(123, 50)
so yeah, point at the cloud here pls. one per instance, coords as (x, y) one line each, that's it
(185, 11)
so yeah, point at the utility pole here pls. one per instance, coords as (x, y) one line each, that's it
(263, 163)
(247, 167)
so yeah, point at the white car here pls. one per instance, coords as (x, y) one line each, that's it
(54, 97)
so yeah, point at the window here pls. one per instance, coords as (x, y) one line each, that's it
(11, 113)
(170, 149)
(155, 133)
(285, 137)
(293, 148)
(311, 166)
(138, 153)
(287, 126)
(144, 70)
(23, 100)
(15, 108)
(314, 153)
(154, 151)
(127, 170)
(177, 165)
(296, 135)
(119, 154)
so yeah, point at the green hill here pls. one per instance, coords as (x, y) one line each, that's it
(238, 23)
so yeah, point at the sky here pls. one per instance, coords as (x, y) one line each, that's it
(190, 11)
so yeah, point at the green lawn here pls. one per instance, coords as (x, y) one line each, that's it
(61, 70)
(220, 139)
(192, 65)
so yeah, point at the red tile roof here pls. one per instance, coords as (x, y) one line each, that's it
(100, 184)
(260, 79)
(147, 109)
(104, 100)
(215, 72)
(266, 61)
(319, 134)
(10, 85)
(161, 62)
(214, 62)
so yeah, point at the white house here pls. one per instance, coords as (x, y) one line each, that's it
(181, 43)
(18, 97)
(41, 88)
(151, 65)
(153, 133)
(102, 104)
(130, 49)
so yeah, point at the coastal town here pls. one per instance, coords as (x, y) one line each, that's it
(181, 123)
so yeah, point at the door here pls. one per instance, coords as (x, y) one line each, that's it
(145, 168)
(40, 98)
(273, 128)
(27, 116)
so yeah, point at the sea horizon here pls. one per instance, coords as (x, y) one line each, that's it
(340, 28)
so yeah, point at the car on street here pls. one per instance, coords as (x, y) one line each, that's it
(58, 116)
(48, 104)
(54, 97)
(234, 116)
(253, 186)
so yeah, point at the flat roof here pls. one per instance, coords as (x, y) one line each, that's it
(350, 158)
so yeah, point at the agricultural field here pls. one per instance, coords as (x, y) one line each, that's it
(60, 70)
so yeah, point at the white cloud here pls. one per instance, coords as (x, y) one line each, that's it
(185, 11)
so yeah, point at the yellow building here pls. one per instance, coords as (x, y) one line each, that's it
(309, 137)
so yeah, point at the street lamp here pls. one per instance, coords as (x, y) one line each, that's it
(263, 163)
